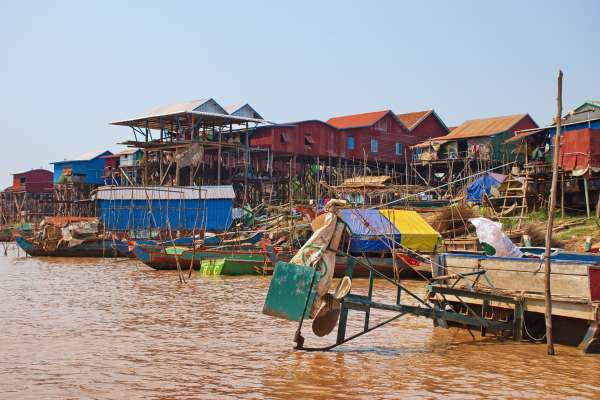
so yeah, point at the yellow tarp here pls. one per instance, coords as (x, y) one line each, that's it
(415, 233)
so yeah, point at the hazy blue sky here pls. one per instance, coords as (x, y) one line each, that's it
(69, 68)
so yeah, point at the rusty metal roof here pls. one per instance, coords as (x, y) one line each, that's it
(525, 133)
(357, 120)
(430, 142)
(485, 126)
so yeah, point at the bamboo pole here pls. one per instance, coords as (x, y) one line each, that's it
(246, 161)
(291, 204)
(562, 195)
(552, 206)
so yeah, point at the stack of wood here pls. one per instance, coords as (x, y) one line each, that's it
(452, 221)
(373, 185)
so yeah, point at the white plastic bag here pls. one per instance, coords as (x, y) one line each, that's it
(490, 232)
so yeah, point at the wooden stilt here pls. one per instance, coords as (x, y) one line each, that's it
(587, 197)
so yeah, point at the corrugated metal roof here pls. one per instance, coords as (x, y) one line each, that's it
(194, 105)
(430, 142)
(165, 192)
(357, 120)
(90, 155)
(243, 110)
(128, 151)
(32, 170)
(180, 115)
(485, 126)
(524, 134)
(412, 119)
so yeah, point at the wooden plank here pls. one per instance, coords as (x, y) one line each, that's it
(563, 308)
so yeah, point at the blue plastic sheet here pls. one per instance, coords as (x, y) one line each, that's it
(482, 185)
(371, 231)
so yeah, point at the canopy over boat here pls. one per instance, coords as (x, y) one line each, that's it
(415, 233)
(371, 231)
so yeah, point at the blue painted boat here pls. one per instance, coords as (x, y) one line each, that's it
(562, 255)
(208, 241)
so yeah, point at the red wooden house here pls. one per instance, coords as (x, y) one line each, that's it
(304, 138)
(424, 125)
(33, 181)
(377, 136)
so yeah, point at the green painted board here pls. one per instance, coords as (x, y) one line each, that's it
(289, 289)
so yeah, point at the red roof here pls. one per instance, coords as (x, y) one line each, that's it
(357, 120)
(412, 118)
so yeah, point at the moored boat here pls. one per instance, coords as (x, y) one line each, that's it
(88, 248)
(254, 264)
(575, 288)
(168, 258)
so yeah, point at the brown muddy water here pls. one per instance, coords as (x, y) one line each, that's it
(113, 329)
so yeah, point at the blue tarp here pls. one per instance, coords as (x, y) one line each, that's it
(371, 231)
(482, 185)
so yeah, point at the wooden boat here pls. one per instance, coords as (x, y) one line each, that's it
(212, 240)
(248, 265)
(562, 255)
(159, 258)
(162, 258)
(89, 248)
(575, 285)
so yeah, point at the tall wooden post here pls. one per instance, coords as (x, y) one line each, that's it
(219, 161)
(547, 263)
(587, 197)
(562, 195)
(291, 201)
(317, 181)
(246, 161)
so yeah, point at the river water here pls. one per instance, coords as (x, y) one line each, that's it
(114, 329)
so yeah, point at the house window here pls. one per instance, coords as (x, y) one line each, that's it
(350, 143)
(308, 142)
(399, 149)
(284, 138)
(374, 145)
(22, 179)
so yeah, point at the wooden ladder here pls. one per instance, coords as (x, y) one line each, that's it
(515, 198)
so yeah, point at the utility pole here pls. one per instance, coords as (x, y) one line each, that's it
(547, 263)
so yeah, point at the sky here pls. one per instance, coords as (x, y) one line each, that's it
(69, 68)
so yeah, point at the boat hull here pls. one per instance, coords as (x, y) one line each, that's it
(94, 248)
(255, 265)
(155, 257)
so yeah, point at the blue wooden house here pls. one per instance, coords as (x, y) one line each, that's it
(179, 208)
(87, 168)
